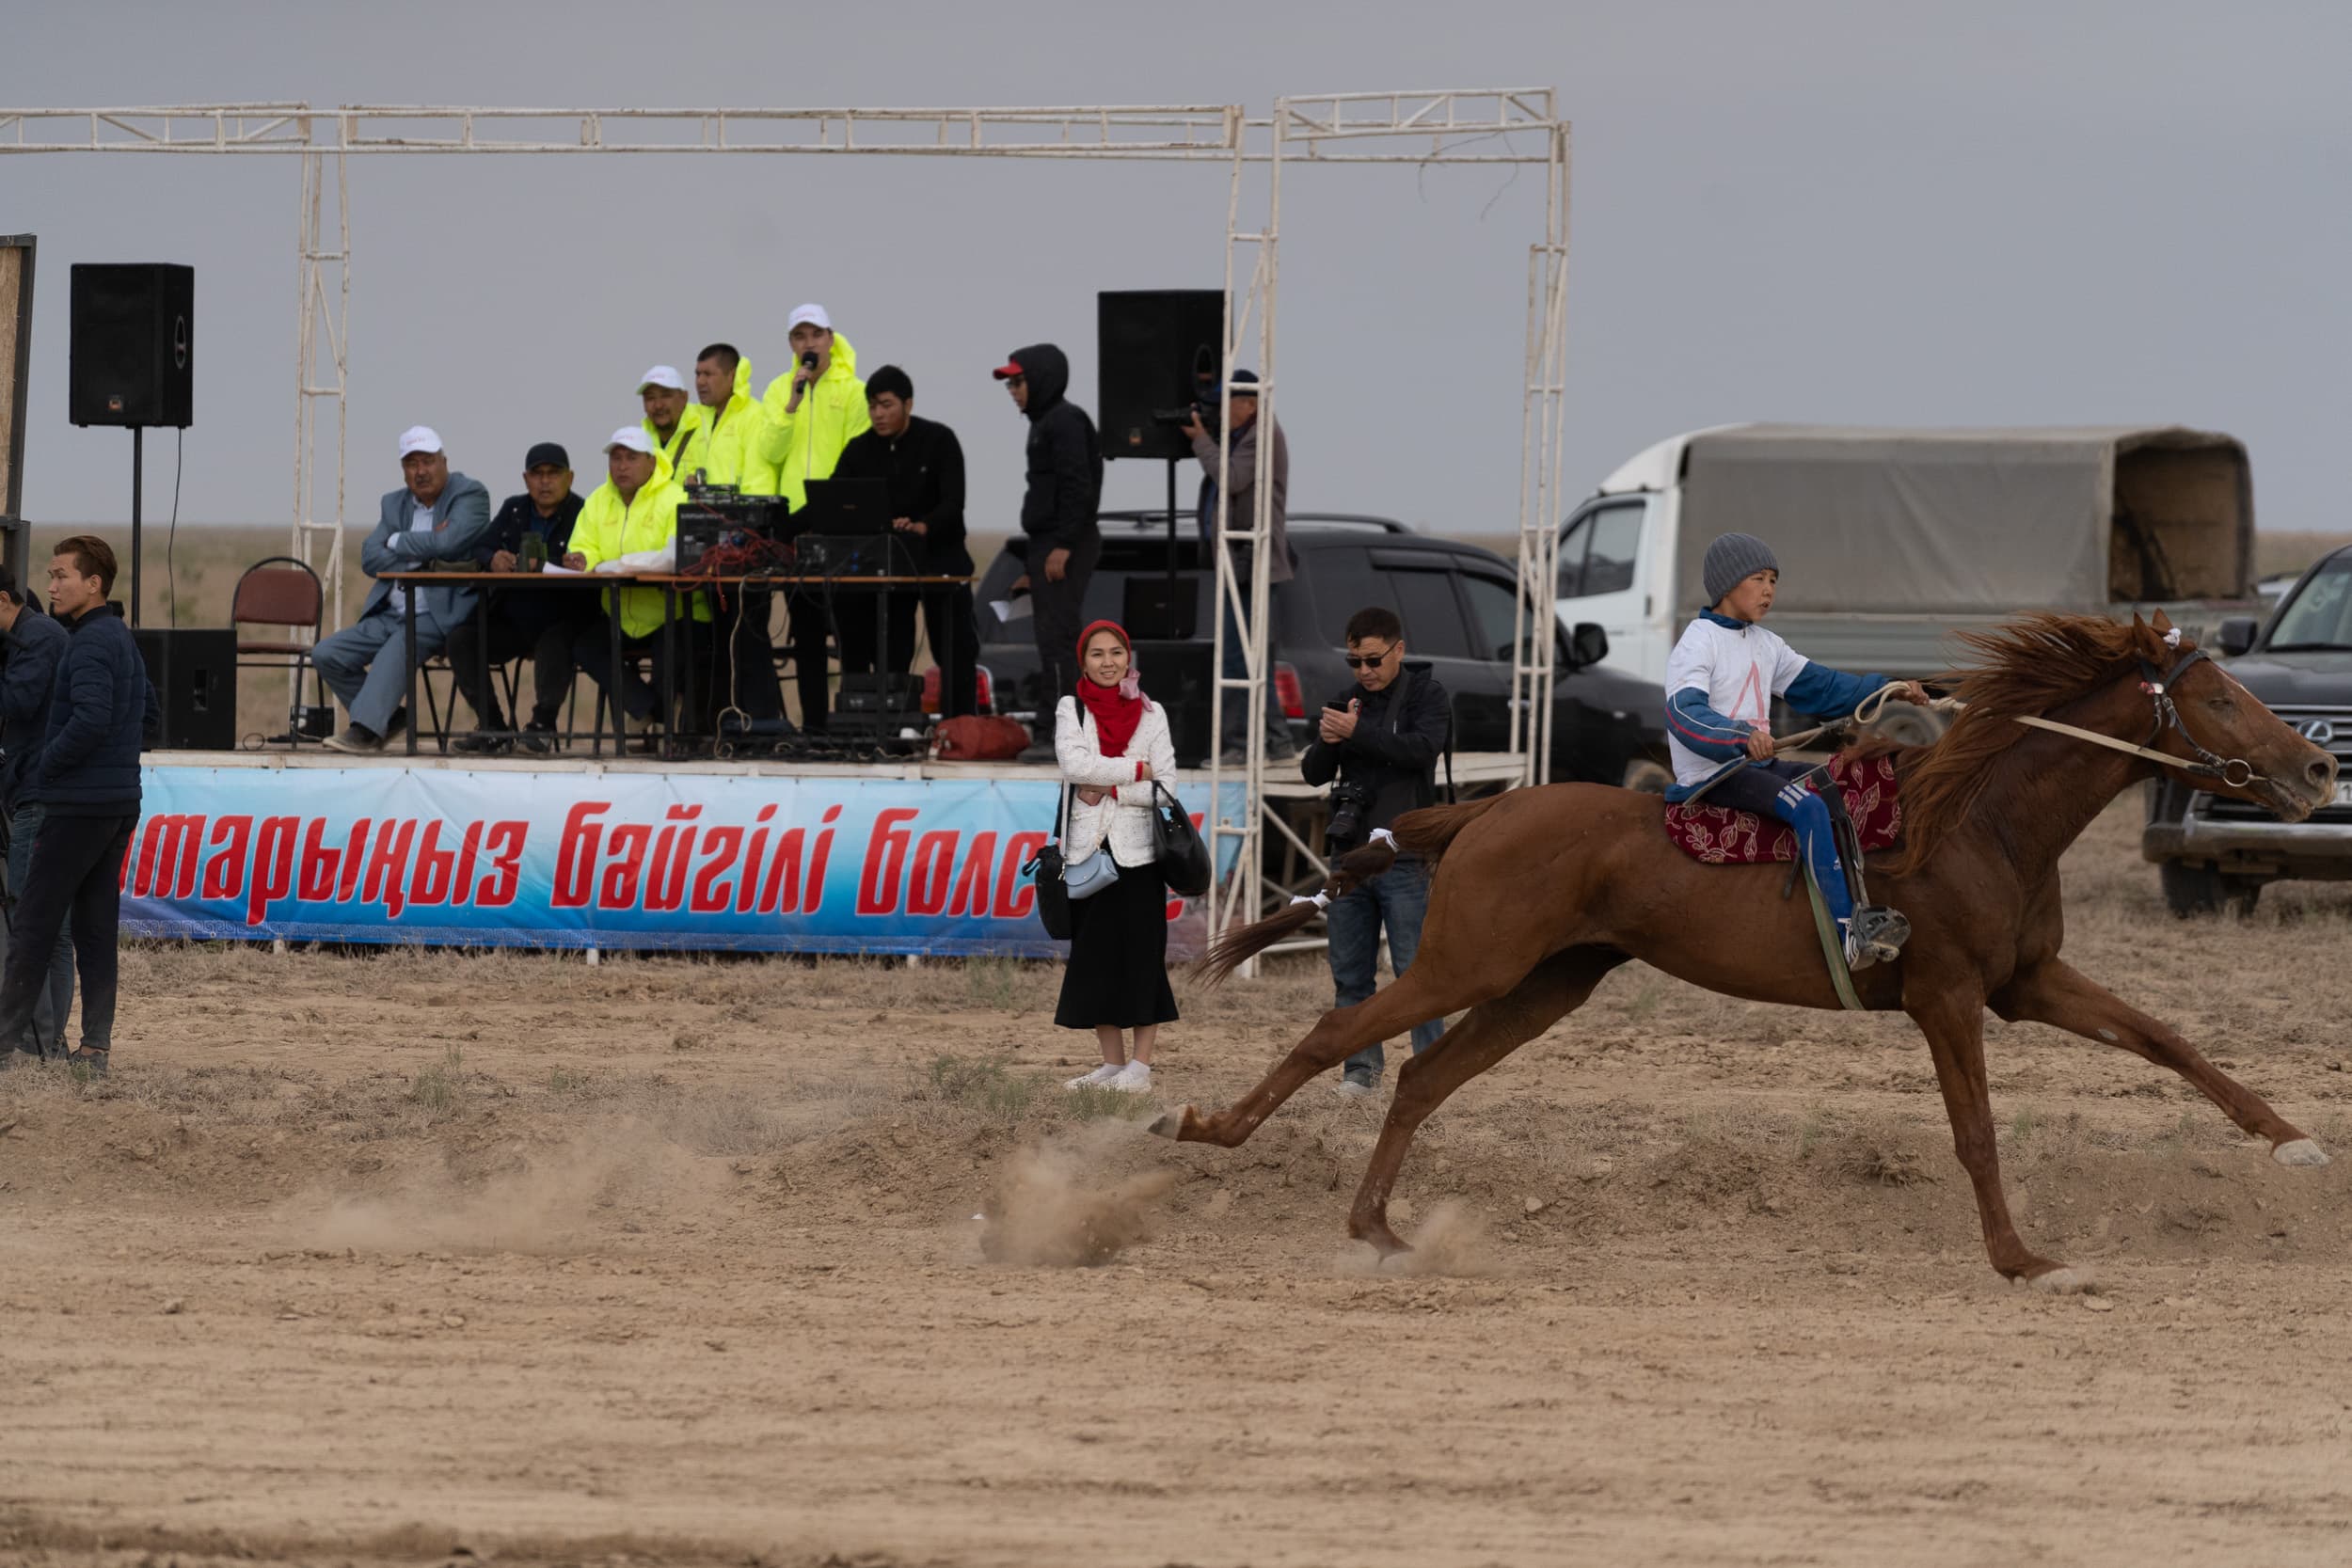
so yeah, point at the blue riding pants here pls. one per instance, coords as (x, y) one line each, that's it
(1772, 789)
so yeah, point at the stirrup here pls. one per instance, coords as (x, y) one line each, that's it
(1875, 934)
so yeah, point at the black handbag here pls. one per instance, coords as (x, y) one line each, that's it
(1053, 893)
(1183, 857)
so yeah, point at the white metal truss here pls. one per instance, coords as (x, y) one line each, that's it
(1474, 126)
(1337, 127)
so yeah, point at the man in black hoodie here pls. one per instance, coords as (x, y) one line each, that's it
(86, 772)
(1059, 514)
(922, 463)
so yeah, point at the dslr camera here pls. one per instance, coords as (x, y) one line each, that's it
(1350, 802)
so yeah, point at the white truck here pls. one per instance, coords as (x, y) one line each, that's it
(1890, 541)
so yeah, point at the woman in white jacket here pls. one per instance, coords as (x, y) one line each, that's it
(1112, 741)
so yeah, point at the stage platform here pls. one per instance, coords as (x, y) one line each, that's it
(1282, 781)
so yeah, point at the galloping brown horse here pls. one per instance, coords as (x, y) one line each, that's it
(1540, 893)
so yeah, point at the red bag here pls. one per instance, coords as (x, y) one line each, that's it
(981, 738)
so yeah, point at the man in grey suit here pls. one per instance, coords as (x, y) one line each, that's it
(436, 515)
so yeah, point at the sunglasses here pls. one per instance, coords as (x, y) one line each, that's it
(1367, 660)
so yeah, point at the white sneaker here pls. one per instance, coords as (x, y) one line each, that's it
(1134, 1078)
(1096, 1079)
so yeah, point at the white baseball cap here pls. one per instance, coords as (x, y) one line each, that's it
(418, 437)
(814, 315)
(663, 375)
(633, 437)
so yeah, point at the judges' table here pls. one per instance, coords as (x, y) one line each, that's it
(673, 587)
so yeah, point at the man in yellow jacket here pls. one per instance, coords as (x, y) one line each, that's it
(808, 415)
(815, 409)
(670, 418)
(723, 450)
(629, 525)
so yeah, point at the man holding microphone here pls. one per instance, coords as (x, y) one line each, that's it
(808, 417)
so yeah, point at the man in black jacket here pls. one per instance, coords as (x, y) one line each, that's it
(86, 772)
(922, 463)
(34, 644)
(1060, 512)
(544, 625)
(1381, 738)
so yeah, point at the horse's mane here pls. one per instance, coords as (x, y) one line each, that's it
(2027, 666)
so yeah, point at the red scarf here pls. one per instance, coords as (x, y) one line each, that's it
(1116, 709)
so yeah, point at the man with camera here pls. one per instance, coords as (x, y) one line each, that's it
(1251, 454)
(1381, 740)
(34, 643)
(86, 774)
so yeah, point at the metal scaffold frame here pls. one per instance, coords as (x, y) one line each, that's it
(1444, 127)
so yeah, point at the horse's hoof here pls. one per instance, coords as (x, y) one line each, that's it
(2299, 1152)
(2061, 1281)
(1170, 1124)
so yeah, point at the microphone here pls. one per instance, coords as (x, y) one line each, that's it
(808, 363)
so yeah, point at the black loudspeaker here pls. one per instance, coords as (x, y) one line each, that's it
(1149, 347)
(196, 680)
(875, 705)
(1152, 607)
(133, 359)
(1177, 675)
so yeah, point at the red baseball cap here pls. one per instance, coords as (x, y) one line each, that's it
(1009, 368)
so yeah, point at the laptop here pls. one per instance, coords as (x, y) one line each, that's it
(838, 507)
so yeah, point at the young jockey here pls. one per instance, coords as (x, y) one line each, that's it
(1721, 680)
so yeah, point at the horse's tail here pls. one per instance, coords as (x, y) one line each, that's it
(1348, 873)
(1428, 831)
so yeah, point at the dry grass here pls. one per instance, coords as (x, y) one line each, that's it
(2277, 552)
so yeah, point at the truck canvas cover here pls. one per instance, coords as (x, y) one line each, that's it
(1965, 521)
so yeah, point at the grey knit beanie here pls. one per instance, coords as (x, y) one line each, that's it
(1730, 560)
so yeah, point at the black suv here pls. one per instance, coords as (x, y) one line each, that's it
(1456, 601)
(2215, 853)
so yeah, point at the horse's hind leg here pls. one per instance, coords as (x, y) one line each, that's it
(2057, 993)
(1417, 996)
(1492, 1031)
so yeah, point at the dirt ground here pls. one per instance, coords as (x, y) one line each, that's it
(417, 1257)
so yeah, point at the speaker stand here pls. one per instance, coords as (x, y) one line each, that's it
(1171, 536)
(138, 490)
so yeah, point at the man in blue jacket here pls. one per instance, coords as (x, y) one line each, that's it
(86, 774)
(436, 515)
(30, 645)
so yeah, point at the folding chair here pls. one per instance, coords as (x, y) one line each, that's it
(280, 592)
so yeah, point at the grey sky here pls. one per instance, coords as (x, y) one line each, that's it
(1885, 213)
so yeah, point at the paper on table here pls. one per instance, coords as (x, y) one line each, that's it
(552, 570)
(1013, 609)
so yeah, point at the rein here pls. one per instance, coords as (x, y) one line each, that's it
(2233, 772)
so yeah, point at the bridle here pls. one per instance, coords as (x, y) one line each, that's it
(2232, 772)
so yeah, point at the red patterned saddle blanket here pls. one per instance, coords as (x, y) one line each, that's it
(1722, 836)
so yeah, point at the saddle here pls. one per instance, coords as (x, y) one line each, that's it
(1718, 836)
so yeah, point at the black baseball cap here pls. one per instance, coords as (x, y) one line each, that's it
(547, 454)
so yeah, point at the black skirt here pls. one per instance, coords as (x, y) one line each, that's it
(1118, 971)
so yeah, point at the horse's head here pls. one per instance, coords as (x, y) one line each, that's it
(2239, 748)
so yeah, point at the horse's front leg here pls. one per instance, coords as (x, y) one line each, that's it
(2057, 993)
(1953, 1022)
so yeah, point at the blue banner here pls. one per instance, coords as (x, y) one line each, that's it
(613, 860)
